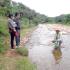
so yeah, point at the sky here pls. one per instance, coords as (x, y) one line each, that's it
(50, 8)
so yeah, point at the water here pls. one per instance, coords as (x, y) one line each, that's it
(42, 52)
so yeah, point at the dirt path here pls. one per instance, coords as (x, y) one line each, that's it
(41, 49)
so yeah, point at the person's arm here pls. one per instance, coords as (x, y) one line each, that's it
(12, 24)
(55, 36)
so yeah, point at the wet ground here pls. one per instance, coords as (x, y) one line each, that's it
(42, 52)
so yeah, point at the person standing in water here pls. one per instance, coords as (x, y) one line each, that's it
(57, 41)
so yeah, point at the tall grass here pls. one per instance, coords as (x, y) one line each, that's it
(22, 63)
(25, 64)
(3, 34)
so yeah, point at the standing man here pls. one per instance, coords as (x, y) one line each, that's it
(17, 21)
(11, 25)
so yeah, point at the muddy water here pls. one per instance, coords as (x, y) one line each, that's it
(42, 53)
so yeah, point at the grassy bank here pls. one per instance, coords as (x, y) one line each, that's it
(4, 33)
(15, 63)
(17, 59)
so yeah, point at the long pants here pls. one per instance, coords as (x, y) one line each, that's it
(17, 38)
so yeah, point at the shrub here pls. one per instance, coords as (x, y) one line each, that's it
(22, 51)
(25, 64)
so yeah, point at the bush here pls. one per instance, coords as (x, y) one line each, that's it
(3, 46)
(3, 49)
(22, 51)
(3, 34)
(25, 64)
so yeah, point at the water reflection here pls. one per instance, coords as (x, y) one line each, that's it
(57, 53)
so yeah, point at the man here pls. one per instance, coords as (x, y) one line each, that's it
(57, 40)
(17, 21)
(11, 25)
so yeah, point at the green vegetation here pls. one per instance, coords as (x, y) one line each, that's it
(33, 18)
(3, 35)
(8, 6)
(19, 61)
(24, 64)
(15, 63)
(29, 19)
(63, 19)
(22, 51)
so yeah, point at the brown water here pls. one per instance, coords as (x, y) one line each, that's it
(42, 53)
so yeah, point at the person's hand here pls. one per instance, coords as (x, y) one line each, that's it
(14, 30)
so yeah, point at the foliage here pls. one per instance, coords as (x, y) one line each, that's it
(24, 64)
(65, 19)
(3, 35)
(13, 7)
(15, 63)
(22, 51)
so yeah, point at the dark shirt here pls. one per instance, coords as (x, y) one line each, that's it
(17, 21)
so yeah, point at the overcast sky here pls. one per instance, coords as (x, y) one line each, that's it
(50, 8)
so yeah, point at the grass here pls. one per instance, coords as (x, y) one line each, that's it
(26, 27)
(3, 34)
(22, 51)
(3, 26)
(18, 62)
(25, 64)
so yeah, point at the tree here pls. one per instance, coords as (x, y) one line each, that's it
(2, 3)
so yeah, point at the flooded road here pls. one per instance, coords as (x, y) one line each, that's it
(42, 52)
